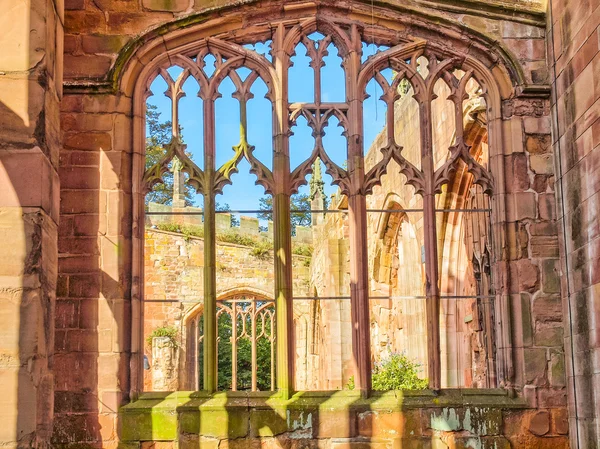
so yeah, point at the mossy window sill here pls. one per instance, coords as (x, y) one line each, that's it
(395, 399)
(225, 415)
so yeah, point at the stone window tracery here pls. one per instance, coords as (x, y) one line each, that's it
(445, 172)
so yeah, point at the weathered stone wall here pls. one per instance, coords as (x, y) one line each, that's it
(573, 45)
(97, 293)
(30, 92)
(93, 308)
(340, 420)
(174, 272)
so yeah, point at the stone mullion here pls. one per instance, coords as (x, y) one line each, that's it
(501, 275)
(210, 277)
(282, 239)
(357, 209)
(138, 239)
(431, 251)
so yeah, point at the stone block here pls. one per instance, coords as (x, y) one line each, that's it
(542, 163)
(100, 43)
(535, 365)
(538, 143)
(551, 276)
(80, 178)
(166, 5)
(537, 125)
(521, 206)
(518, 179)
(539, 423)
(527, 275)
(560, 421)
(557, 369)
(548, 334)
(28, 179)
(86, 66)
(90, 141)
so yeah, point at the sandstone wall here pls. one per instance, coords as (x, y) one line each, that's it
(31, 63)
(573, 45)
(97, 295)
(174, 271)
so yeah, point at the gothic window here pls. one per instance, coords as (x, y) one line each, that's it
(336, 174)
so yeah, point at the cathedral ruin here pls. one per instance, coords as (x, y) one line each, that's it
(299, 224)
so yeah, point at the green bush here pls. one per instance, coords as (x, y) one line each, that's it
(186, 230)
(398, 372)
(261, 249)
(164, 331)
(236, 239)
(302, 249)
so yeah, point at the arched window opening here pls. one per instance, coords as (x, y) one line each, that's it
(344, 176)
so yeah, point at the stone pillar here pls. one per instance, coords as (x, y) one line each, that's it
(573, 49)
(178, 184)
(30, 91)
(317, 193)
(164, 364)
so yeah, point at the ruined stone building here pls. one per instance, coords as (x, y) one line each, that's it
(299, 224)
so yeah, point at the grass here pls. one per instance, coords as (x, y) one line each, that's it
(260, 246)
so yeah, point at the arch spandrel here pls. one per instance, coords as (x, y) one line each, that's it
(411, 25)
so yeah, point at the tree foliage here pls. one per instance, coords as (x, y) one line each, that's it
(398, 372)
(244, 355)
(299, 205)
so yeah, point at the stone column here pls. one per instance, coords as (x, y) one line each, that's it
(573, 52)
(30, 91)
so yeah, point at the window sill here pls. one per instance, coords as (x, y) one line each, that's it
(330, 414)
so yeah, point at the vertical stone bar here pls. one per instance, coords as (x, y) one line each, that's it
(234, 350)
(282, 239)
(359, 292)
(254, 344)
(210, 263)
(357, 208)
(30, 92)
(284, 308)
(431, 253)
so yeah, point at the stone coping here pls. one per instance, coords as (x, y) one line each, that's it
(171, 416)
(331, 400)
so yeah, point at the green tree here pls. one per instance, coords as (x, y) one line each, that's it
(244, 355)
(158, 136)
(398, 372)
(299, 206)
(235, 222)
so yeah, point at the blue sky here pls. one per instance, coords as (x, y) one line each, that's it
(244, 194)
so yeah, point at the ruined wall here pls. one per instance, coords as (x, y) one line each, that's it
(30, 93)
(574, 57)
(97, 292)
(174, 271)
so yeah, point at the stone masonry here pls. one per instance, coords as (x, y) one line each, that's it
(70, 300)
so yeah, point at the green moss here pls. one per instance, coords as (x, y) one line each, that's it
(164, 331)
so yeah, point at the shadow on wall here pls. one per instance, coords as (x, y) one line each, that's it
(340, 419)
(93, 307)
(27, 272)
(248, 419)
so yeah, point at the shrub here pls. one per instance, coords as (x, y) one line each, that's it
(186, 230)
(261, 249)
(398, 372)
(164, 331)
(302, 249)
(236, 239)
